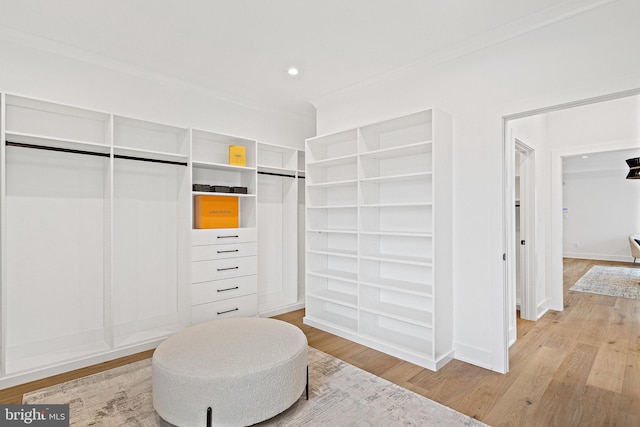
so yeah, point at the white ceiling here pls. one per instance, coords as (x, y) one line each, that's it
(240, 49)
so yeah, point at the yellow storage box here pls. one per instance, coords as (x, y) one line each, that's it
(215, 212)
(238, 155)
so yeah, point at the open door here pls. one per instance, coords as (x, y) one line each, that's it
(525, 231)
(519, 202)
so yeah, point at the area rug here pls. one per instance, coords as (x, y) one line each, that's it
(620, 282)
(340, 394)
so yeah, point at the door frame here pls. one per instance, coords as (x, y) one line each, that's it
(555, 296)
(528, 229)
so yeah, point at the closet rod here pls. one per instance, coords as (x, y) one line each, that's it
(63, 150)
(144, 159)
(277, 174)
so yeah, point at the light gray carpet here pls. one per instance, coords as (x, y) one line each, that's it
(339, 395)
(620, 282)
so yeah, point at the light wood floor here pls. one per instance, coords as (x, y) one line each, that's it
(579, 367)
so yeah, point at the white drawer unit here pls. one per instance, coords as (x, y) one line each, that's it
(235, 307)
(231, 250)
(218, 290)
(204, 271)
(223, 273)
(220, 236)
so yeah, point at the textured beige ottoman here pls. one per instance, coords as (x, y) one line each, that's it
(246, 370)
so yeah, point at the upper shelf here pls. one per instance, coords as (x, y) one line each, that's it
(56, 143)
(222, 166)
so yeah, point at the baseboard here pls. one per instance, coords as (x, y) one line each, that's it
(281, 310)
(598, 257)
(473, 355)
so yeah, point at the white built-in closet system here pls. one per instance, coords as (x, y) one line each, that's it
(379, 233)
(99, 254)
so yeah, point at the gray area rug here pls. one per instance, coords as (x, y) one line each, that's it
(340, 394)
(620, 282)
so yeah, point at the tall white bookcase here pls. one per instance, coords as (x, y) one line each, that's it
(378, 233)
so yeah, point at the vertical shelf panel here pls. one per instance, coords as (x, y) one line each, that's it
(277, 228)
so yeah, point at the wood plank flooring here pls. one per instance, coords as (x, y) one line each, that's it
(579, 367)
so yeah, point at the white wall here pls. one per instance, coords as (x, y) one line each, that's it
(116, 88)
(582, 56)
(603, 209)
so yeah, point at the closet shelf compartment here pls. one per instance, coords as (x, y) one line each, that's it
(401, 151)
(403, 314)
(397, 178)
(336, 252)
(395, 205)
(221, 167)
(413, 288)
(334, 274)
(334, 315)
(210, 193)
(285, 172)
(56, 143)
(422, 348)
(335, 161)
(321, 207)
(396, 233)
(339, 298)
(399, 259)
(332, 230)
(149, 154)
(333, 184)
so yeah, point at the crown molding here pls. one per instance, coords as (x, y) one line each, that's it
(74, 53)
(498, 35)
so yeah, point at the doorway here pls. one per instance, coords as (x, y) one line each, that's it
(520, 210)
(525, 211)
(549, 296)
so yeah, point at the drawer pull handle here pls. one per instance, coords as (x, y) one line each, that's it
(228, 237)
(228, 311)
(229, 289)
(228, 268)
(229, 251)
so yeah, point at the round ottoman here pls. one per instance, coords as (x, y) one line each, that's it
(246, 370)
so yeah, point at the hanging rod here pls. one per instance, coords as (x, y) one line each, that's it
(90, 153)
(144, 159)
(63, 150)
(277, 174)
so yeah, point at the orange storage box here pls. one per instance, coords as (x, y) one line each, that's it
(215, 212)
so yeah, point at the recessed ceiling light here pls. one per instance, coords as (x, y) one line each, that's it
(585, 157)
(293, 71)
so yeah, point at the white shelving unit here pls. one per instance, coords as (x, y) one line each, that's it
(100, 257)
(150, 217)
(224, 262)
(93, 226)
(378, 239)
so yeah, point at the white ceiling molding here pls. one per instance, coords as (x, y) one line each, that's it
(498, 35)
(86, 56)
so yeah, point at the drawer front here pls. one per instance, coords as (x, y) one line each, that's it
(219, 290)
(205, 271)
(222, 236)
(235, 307)
(232, 250)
